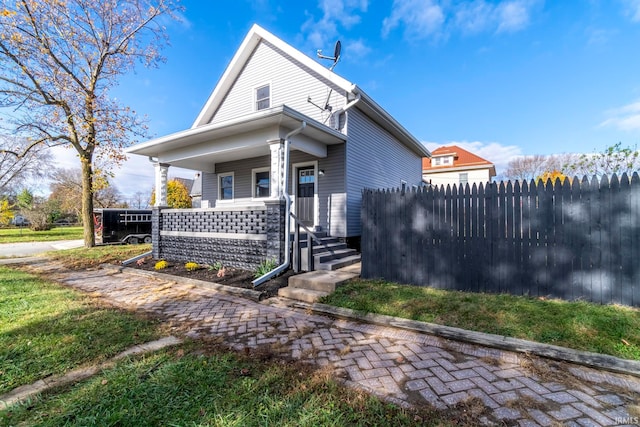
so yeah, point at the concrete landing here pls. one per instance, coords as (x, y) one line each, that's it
(310, 287)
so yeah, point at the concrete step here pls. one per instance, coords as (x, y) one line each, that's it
(328, 246)
(299, 294)
(319, 234)
(335, 264)
(325, 240)
(325, 281)
(323, 257)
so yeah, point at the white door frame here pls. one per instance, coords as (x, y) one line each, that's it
(294, 178)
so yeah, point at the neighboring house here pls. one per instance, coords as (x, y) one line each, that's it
(280, 131)
(196, 191)
(454, 165)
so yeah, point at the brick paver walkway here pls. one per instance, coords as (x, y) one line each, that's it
(406, 367)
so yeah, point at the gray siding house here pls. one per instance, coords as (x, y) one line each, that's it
(282, 142)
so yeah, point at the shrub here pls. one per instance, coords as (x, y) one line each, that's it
(217, 266)
(160, 265)
(191, 266)
(265, 267)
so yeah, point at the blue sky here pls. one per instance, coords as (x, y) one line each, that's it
(502, 78)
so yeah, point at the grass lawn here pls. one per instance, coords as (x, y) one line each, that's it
(195, 384)
(48, 329)
(21, 235)
(85, 258)
(606, 329)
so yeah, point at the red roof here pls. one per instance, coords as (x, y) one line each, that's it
(461, 158)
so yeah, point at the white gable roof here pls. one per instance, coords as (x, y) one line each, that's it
(254, 37)
(235, 67)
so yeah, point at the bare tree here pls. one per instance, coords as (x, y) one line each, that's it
(526, 168)
(15, 171)
(139, 200)
(66, 190)
(58, 62)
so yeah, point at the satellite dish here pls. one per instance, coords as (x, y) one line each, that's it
(336, 51)
(336, 55)
(335, 58)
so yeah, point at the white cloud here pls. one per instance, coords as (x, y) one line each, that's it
(632, 8)
(357, 49)
(496, 153)
(626, 118)
(473, 17)
(421, 18)
(513, 15)
(599, 37)
(435, 18)
(324, 31)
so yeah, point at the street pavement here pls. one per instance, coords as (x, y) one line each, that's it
(35, 248)
(405, 367)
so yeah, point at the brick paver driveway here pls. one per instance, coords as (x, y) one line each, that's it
(406, 367)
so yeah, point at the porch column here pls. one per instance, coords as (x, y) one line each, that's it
(276, 146)
(276, 214)
(162, 170)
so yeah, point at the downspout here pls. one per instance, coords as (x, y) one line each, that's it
(285, 190)
(348, 106)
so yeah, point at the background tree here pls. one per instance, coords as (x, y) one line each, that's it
(6, 212)
(139, 200)
(613, 159)
(177, 195)
(525, 168)
(66, 190)
(38, 210)
(553, 175)
(16, 171)
(59, 61)
(24, 199)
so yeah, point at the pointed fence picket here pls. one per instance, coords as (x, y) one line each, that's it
(577, 239)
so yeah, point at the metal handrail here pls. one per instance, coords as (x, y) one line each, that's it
(296, 240)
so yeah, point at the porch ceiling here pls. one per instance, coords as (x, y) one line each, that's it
(200, 148)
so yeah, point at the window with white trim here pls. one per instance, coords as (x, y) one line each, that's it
(261, 182)
(463, 178)
(225, 186)
(263, 97)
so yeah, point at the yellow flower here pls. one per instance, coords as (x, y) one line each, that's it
(161, 265)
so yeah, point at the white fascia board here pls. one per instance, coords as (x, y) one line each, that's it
(194, 136)
(235, 67)
(229, 144)
(309, 146)
(191, 135)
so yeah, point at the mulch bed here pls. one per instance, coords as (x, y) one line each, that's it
(235, 277)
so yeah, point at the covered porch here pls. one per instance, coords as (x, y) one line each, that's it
(248, 165)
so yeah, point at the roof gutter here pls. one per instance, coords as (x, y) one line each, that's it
(285, 193)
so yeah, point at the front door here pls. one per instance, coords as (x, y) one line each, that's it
(305, 195)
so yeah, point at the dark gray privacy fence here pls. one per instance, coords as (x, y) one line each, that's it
(574, 240)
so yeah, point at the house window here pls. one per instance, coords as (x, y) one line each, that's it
(464, 178)
(437, 161)
(261, 182)
(446, 160)
(226, 186)
(263, 97)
